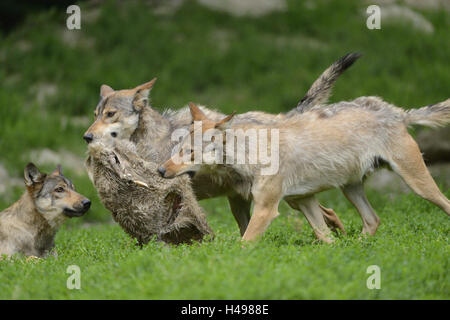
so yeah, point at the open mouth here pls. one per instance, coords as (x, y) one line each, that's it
(74, 213)
(191, 174)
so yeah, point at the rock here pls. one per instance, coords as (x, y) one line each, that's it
(388, 181)
(435, 145)
(7, 183)
(63, 157)
(396, 13)
(419, 4)
(253, 8)
(43, 91)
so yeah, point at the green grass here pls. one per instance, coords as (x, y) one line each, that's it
(229, 63)
(411, 248)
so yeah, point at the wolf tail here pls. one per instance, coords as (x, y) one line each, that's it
(321, 88)
(434, 115)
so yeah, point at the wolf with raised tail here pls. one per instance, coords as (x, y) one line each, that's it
(326, 147)
(127, 115)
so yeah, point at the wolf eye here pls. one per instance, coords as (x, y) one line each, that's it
(110, 114)
(59, 189)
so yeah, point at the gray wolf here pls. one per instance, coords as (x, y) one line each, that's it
(29, 225)
(141, 202)
(332, 146)
(127, 115)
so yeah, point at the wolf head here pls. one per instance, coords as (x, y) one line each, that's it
(117, 114)
(53, 195)
(204, 132)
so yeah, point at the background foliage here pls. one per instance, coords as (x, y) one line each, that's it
(50, 79)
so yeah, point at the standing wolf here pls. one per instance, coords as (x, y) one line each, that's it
(126, 114)
(325, 147)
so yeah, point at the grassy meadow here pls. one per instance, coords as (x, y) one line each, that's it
(50, 79)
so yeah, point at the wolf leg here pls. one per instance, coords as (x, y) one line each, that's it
(356, 195)
(266, 196)
(331, 219)
(314, 214)
(263, 214)
(407, 161)
(241, 211)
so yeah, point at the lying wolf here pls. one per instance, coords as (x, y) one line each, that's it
(141, 202)
(126, 115)
(29, 225)
(325, 147)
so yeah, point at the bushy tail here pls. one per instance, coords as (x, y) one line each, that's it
(321, 88)
(434, 115)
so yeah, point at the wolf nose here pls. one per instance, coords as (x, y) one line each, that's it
(88, 137)
(86, 204)
(162, 171)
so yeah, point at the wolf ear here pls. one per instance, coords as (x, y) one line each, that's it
(223, 124)
(57, 171)
(197, 114)
(142, 92)
(32, 175)
(105, 90)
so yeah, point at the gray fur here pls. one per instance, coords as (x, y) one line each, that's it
(320, 90)
(29, 225)
(24, 230)
(141, 202)
(151, 131)
(368, 128)
(433, 115)
(326, 147)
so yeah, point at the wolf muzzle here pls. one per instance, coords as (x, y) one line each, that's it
(88, 138)
(78, 211)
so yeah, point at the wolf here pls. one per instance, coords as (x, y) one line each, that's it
(127, 115)
(141, 202)
(29, 225)
(325, 147)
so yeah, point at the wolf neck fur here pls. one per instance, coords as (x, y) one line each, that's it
(153, 134)
(151, 124)
(25, 210)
